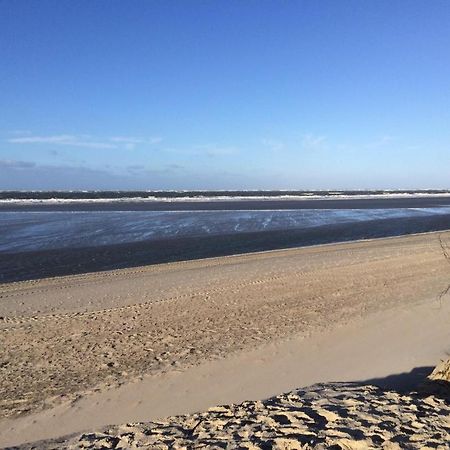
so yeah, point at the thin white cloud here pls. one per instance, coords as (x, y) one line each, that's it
(136, 140)
(313, 142)
(61, 139)
(274, 144)
(86, 141)
(130, 142)
(381, 141)
(213, 150)
(125, 139)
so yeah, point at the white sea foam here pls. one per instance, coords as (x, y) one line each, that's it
(205, 198)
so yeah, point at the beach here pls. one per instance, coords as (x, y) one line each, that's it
(224, 225)
(85, 351)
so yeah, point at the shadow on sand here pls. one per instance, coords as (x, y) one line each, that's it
(414, 382)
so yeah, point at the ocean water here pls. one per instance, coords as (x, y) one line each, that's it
(22, 231)
(56, 197)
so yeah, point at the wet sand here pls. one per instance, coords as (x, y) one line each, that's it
(67, 339)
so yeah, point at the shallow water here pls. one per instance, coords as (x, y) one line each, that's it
(31, 230)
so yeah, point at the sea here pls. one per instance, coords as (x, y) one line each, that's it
(60, 233)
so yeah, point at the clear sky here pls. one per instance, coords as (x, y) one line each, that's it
(224, 94)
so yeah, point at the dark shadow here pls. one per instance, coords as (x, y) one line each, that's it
(415, 382)
(402, 382)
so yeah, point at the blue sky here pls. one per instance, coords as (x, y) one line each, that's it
(224, 94)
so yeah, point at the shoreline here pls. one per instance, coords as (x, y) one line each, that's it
(234, 255)
(41, 264)
(231, 202)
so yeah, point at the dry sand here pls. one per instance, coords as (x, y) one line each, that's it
(334, 416)
(84, 351)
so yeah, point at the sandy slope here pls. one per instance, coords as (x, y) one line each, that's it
(334, 416)
(65, 337)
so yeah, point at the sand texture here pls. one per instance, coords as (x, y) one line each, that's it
(346, 416)
(441, 373)
(70, 338)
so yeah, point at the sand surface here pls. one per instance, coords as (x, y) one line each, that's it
(181, 337)
(333, 416)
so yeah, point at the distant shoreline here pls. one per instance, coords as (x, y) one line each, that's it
(225, 204)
